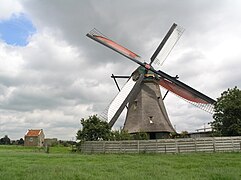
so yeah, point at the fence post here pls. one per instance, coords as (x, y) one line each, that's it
(195, 143)
(103, 147)
(232, 144)
(177, 148)
(138, 146)
(214, 145)
(120, 147)
(80, 147)
(156, 146)
(92, 149)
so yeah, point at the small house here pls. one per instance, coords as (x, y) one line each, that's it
(34, 137)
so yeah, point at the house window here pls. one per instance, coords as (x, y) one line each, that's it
(31, 139)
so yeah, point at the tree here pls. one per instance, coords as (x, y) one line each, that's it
(140, 136)
(5, 140)
(94, 129)
(21, 141)
(227, 113)
(118, 135)
(184, 134)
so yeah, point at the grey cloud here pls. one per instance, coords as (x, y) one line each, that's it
(66, 76)
(130, 24)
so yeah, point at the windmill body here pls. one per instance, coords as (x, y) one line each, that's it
(146, 111)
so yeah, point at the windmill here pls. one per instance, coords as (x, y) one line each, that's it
(141, 94)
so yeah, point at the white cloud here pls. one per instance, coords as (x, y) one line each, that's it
(11, 60)
(8, 8)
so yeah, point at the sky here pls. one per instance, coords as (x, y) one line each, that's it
(52, 75)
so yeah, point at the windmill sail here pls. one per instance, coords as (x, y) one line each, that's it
(97, 36)
(181, 92)
(184, 86)
(127, 93)
(188, 94)
(165, 47)
(120, 97)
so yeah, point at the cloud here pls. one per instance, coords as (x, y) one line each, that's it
(8, 8)
(61, 76)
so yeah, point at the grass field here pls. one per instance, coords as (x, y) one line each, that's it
(60, 163)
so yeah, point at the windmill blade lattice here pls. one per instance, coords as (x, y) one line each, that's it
(130, 97)
(188, 96)
(100, 38)
(166, 45)
(127, 92)
(120, 97)
(183, 89)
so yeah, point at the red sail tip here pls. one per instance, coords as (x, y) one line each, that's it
(181, 92)
(117, 47)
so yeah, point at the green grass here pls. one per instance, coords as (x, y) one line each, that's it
(60, 163)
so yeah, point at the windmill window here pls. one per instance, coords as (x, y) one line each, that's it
(135, 105)
(150, 119)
